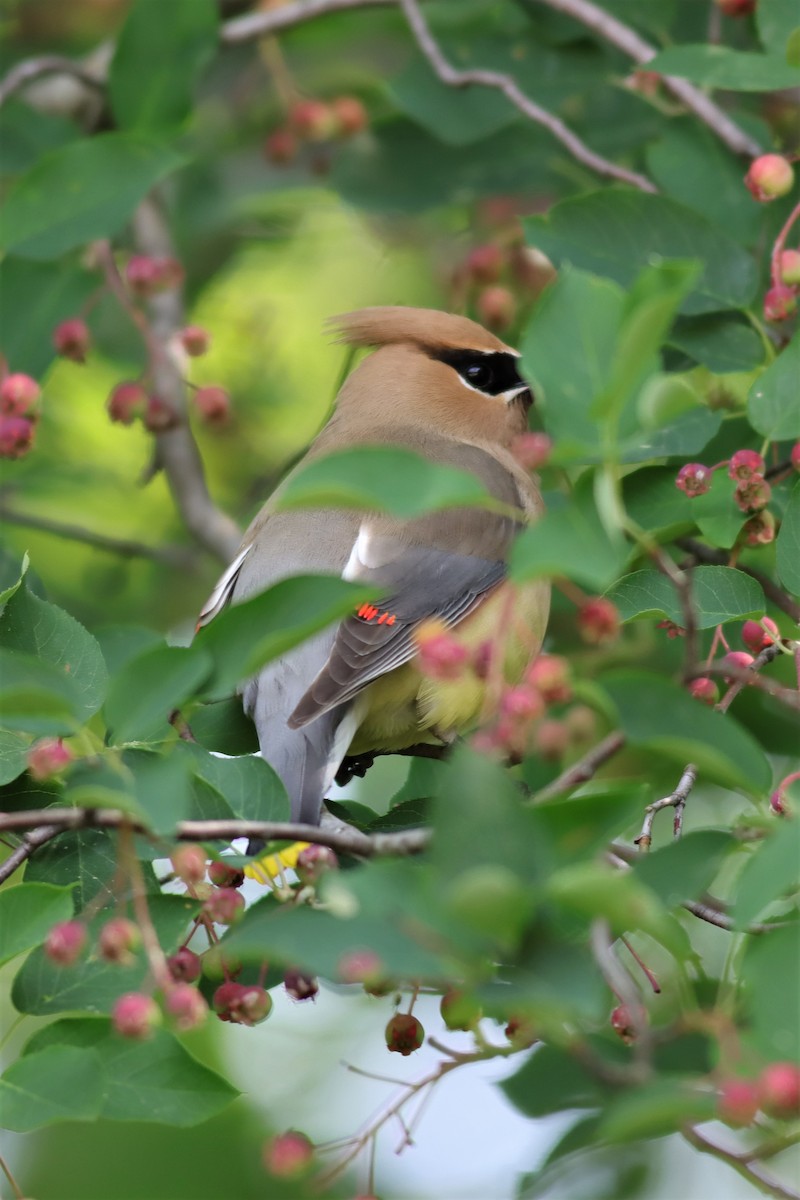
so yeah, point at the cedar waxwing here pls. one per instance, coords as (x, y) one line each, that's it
(447, 389)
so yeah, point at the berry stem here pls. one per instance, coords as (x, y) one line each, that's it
(156, 958)
(780, 242)
(17, 1190)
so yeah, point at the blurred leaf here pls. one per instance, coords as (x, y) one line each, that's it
(161, 784)
(717, 514)
(246, 636)
(37, 696)
(579, 826)
(570, 541)
(223, 726)
(685, 435)
(60, 1083)
(157, 64)
(788, 543)
(102, 783)
(551, 1081)
(380, 478)
(85, 858)
(772, 993)
(27, 913)
(777, 20)
(458, 116)
(721, 67)
(654, 1110)
(684, 869)
(616, 232)
(720, 341)
(13, 754)
(653, 501)
(26, 133)
(250, 786)
(147, 689)
(772, 406)
(98, 182)
(156, 1080)
(122, 643)
(662, 717)
(770, 872)
(719, 594)
(34, 297)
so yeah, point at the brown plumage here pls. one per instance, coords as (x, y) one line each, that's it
(444, 387)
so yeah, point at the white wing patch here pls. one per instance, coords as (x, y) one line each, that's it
(359, 556)
(222, 592)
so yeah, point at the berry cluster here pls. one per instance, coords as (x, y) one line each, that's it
(19, 413)
(752, 493)
(771, 176)
(499, 276)
(315, 124)
(756, 635)
(776, 1092)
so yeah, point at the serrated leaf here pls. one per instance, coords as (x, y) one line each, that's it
(653, 501)
(719, 594)
(720, 341)
(162, 786)
(36, 696)
(571, 541)
(27, 913)
(147, 689)
(772, 406)
(249, 785)
(60, 1083)
(13, 755)
(458, 116)
(722, 67)
(84, 858)
(788, 543)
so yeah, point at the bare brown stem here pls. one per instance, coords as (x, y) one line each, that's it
(676, 800)
(173, 556)
(584, 769)
(743, 1164)
(29, 843)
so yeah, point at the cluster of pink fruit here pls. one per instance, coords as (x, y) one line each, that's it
(771, 176)
(315, 123)
(20, 397)
(752, 493)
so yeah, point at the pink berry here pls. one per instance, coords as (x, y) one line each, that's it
(795, 456)
(299, 985)
(146, 275)
(532, 450)
(242, 1004)
(745, 464)
(136, 1016)
(484, 263)
(751, 495)
(737, 659)
(737, 1103)
(522, 704)
(350, 115)
(290, 1155)
(313, 120)
(65, 942)
(694, 479)
(186, 1005)
(598, 622)
(72, 339)
(581, 722)
(404, 1034)
(280, 147)
(769, 177)
(777, 803)
(224, 876)
(497, 307)
(19, 396)
(551, 740)
(47, 758)
(440, 655)
(159, 416)
(127, 403)
(213, 404)
(779, 303)
(756, 635)
(736, 8)
(189, 863)
(225, 906)
(704, 690)
(185, 966)
(117, 940)
(760, 529)
(195, 340)
(549, 674)
(622, 1023)
(779, 1090)
(17, 435)
(312, 863)
(361, 966)
(790, 268)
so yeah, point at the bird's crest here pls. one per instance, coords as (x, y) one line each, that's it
(425, 327)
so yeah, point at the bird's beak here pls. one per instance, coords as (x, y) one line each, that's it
(521, 395)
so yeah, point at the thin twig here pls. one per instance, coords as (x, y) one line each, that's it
(31, 69)
(624, 988)
(584, 769)
(612, 30)
(676, 800)
(256, 25)
(741, 678)
(511, 90)
(682, 582)
(743, 1164)
(174, 556)
(21, 853)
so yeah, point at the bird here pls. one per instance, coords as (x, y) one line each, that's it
(442, 386)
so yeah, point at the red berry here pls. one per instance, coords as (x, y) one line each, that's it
(185, 966)
(694, 479)
(598, 622)
(186, 1005)
(361, 966)
(581, 723)
(522, 704)
(532, 450)
(47, 758)
(117, 940)
(313, 120)
(224, 876)
(242, 1004)
(755, 636)
(736, 8)
(622, 1023)
(484, 263)
(549, 674)
(737, 1103)
(745, 464)
(289, 1155)
(777, 803)
(159, 416)
(404, 1034)
(795, 456)
(790, 268)
(213, 404)
(65, 942)
(350, 114)
(312, 863)
(195, 340)
(704, 690)
(72, 339)
(496, 307)
(760, 529)
(136, 1016)
(439, 654)
(769, 177)
(225, 906)
(779, 1090)
(299, 985)
(189, 863)
(146, 275)
(779, 303)
(737, 659)
(280, 147)
(751, 495)
(127, 403)
(460, 1010)
(19, 396)
(551, 740)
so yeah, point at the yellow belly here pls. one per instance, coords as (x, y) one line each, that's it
(406, 707)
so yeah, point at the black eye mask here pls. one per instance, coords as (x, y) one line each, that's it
(490, 373)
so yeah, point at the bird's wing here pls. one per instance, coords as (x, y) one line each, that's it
(424, 572)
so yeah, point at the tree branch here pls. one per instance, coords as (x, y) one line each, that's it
(276, 20)
(676, 800)
(510, 89)
(584, 769)
(31, 69)
(612, 30)
(21, 853)
(174, 556)
(743, 1164)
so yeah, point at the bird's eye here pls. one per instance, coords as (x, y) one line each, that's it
(479, 374)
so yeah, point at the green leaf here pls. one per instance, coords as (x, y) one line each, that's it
(551, 1081)
(720, 341)
(26, 133)
(246, 636)
(772, 405)
(683, 870)
(663, 718)
(654, 1110)
(98, 182)
(122, 643)
(458, 116)
(85, 859)
(60, 1083)
(616, 233)
(685, 435)
(102, 783)
(34, 297)
(162, 787)
(146, 690)
(771, 993)
(777, 20)
(156, 1080)
(653, 501)
(251, 788)
(13, 755)
(788, 543)
(719, 594)
(222, 725)
(36, 696)
(721, 67)
(570, 541)
(380, 478)
(716, 513)
(29, 625)
(157, 64)
(770, 872)
(576, 827)
(27, 913)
